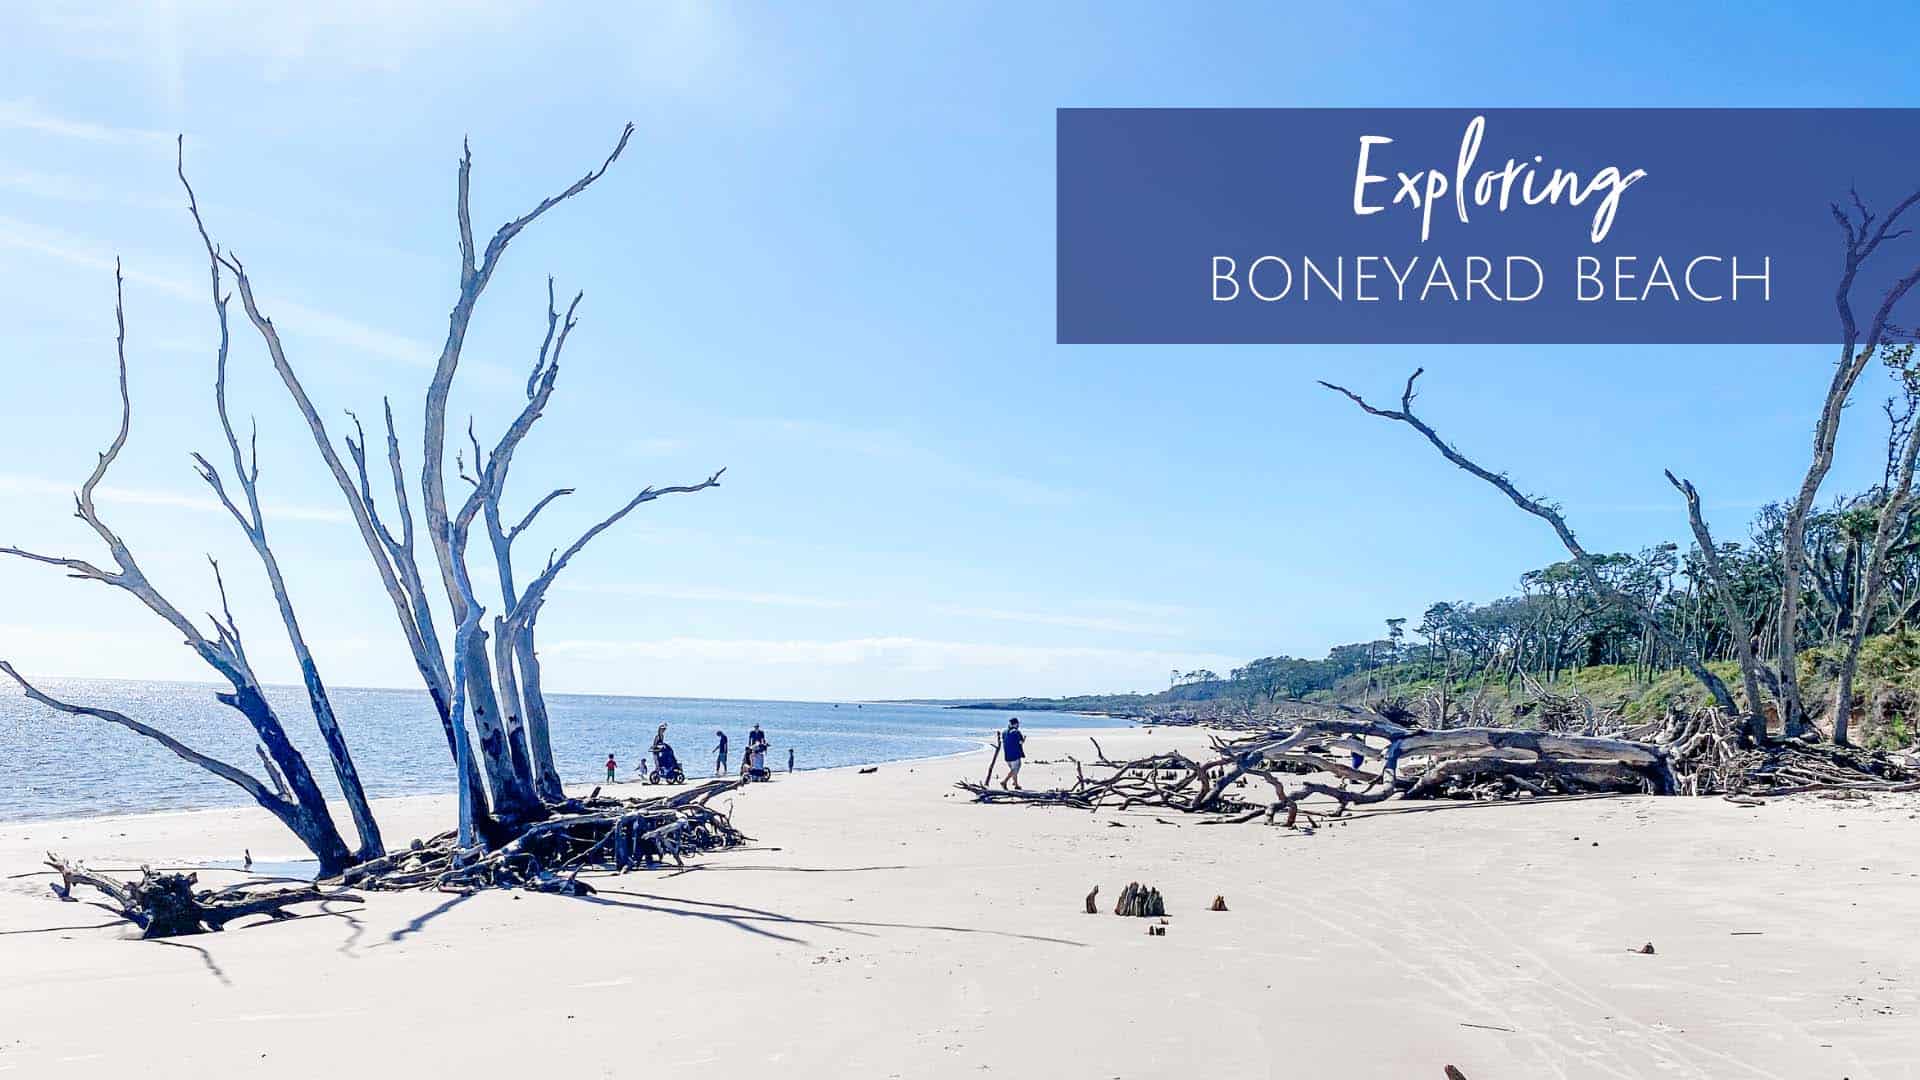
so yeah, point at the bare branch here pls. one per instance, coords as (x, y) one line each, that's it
(239, 777)
(514, 533)
(528, 609)
(1552, 517)
(1738, 624)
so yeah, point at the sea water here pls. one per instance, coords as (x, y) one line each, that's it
(55, 766)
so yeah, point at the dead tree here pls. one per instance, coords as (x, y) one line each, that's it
(1890, 523)
(303, 809)
(507, 767)
(1864, 233)
(1647, 619)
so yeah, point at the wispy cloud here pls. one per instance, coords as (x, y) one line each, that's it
(656, 446)
(935, 468)
(75, 251)
(896, 653)
(705, 594)
(1066, 619)
(107, 493)
(76, 189)
(19, 115)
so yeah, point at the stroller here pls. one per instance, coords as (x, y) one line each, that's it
(755, 767)
(666, 767)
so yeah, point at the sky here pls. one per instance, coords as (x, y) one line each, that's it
(826, 263)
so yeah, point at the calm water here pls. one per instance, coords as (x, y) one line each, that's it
(53, 765)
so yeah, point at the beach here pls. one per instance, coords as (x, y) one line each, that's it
(882, 925)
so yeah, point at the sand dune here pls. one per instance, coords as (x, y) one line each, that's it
(882, 926)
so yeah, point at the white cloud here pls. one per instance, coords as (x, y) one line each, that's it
(896, 653)
(1048, 618)
(706, 594)
(931, 466)
(108, 494)
(76, 189)
(167, 38)
(20, 115)
(76, 251)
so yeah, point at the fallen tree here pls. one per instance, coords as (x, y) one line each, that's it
(1368, 759)
(169, 905)
(1357, 758)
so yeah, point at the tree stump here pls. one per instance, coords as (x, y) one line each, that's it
(1139, 900)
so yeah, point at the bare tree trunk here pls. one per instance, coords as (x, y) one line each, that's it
(513, 795)
(1742, 627)
(1892, 521)
(1863, 238)
(546, 777)
(400, 550)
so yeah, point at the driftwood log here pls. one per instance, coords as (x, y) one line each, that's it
(594, 833)
(169, 905)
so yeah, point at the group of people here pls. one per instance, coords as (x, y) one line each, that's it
(665, 764)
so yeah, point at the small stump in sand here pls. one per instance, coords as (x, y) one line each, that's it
(1219, 904)
(1138, 899)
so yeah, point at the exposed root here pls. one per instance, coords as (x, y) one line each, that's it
(168, 905)
(592, 833)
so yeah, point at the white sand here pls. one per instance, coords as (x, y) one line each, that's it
(886, 927)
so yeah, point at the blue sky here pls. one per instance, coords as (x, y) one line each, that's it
(825, 262)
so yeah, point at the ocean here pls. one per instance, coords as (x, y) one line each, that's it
(57, 766)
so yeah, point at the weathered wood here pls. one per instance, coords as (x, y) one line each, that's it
(168, 905)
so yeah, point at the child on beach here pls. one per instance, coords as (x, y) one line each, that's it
(612, 767)
(1013, 747)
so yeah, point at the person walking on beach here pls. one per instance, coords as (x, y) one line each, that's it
(789, 759)
(612, 766)
(720, 754)
(1013, 747)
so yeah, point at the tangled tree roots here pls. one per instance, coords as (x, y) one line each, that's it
(1372, 759)
(168, 905)
(1709, 759)
(593, 833)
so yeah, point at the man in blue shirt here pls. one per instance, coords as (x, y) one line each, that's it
(1013, 747)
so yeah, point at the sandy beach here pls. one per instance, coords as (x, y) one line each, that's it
(884, 926)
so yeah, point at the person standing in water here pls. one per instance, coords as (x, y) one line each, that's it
(1013, 747)
(720, 754)
(789, 759)
(612, 766)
